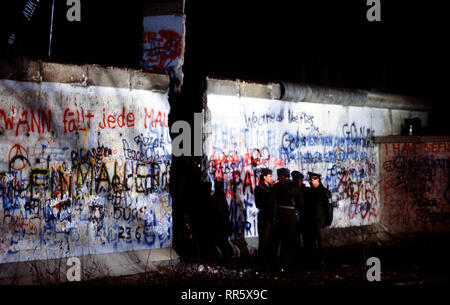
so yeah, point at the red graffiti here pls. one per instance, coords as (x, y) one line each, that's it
(77, 120)
(401, 148)
(120, 121)
(164, 46)
(230, 167)
(436, 148)
(18, 157)
(21, 225)
(156, 118)
(33, 121)
(415, 177)
(41, 146)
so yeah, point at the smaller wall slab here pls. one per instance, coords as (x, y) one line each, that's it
(415, 185)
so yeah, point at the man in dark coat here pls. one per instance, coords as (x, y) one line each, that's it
(265, 203)
(299, 191)
(318, 215)
(285, 220)
(223, 228)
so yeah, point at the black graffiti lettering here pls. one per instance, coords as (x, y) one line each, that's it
(121, 230)
(22, 160)
(165, 178)
(37, 181)
(141, 179)
(149, 149)
(59, 185)
(115, 181)
(103, 178)
(53, 194)
(77, 168)
(155, 171)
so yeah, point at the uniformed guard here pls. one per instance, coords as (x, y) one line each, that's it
(285, 220)
(299, 191)
(265, 203)
(318, 215)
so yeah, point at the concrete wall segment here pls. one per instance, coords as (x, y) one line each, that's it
(46, 210)
(237, 127)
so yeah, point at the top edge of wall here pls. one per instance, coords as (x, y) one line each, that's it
(160, 8)
(297, 92)
(411, 139)
(82, 75)
(243, 88)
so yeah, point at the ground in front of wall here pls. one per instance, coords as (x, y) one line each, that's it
(421, 261)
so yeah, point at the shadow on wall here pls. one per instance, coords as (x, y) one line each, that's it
(200, 217)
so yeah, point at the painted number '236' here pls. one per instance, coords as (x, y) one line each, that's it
(125, 233)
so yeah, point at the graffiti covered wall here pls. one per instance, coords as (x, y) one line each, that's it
(336, 141)
(247, 133)
(83, 170)
(416, 186)
(163, 44)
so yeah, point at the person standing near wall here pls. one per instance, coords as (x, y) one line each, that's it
(222, 223)
(299, 191)
(264, 201)
(285, 220)
(318, 215)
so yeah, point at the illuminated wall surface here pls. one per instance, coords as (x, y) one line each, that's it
(246, 134)
(83, 170)
(416, 186)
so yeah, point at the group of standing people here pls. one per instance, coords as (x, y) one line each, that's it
(290, 219)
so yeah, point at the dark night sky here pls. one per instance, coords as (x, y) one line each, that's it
(317, 42)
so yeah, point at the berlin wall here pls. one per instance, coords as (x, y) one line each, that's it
(85, 159)
(245, 132)
(84, 168)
